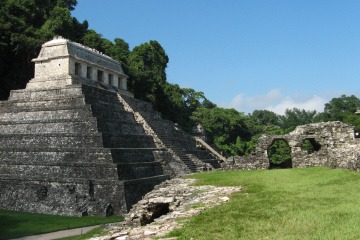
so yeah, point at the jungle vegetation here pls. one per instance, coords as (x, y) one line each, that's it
(26, 24)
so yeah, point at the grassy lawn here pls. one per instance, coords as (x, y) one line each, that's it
(18, 224)
(311, 203)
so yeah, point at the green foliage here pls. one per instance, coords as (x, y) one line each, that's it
(265, 118)
(226, 128)
(310, 146)
(24, 26)
(295, 117)
(339, 108)
(342, 109)
(94, 40)
(18, 224)
(147, 64)
(309, 203)
(279, 154)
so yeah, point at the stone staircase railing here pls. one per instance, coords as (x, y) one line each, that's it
(209, 148)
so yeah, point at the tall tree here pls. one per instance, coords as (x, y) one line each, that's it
(147, 64)
(342, 109)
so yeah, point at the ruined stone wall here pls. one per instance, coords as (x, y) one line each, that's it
(336, 143)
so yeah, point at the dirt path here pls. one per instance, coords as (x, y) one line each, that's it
(59, 234)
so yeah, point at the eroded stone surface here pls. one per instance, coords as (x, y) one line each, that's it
(183, 200)
(335, 143)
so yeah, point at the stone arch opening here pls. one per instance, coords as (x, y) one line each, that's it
(310, 145)
(279, 154)
(109, 211)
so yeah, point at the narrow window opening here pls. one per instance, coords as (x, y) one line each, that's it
(77, 69)
(91, 188)
(100, 76)
(111, 79)
(88, 72)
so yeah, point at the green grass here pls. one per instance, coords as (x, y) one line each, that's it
(18, 224)
(311, 203)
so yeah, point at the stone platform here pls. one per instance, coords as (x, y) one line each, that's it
(75, 142)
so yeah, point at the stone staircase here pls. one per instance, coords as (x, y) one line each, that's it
(181, 144)
(73, 150)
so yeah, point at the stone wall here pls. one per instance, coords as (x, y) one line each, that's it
(336, 146)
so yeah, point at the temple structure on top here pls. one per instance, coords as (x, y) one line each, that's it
(61, 58)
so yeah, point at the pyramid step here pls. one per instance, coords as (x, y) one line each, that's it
(65, 170)
(50, 127)
(52, 108)
(46, 83)
(54, 156)
(138, 104)
(99, 104)
(128, 141)
(119, 127)
(139, 170)
(51, 141)
(78, 113)
(135, 189)
(48, 94)
(133, 155)
(112, 113)
(44, 103)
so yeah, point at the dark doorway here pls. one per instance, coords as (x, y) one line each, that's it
(310, 145)
(279, 154)
(109, 211)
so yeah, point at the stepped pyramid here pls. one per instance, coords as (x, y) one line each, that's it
(76, 142)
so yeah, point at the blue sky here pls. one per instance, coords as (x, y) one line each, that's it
(253, 54)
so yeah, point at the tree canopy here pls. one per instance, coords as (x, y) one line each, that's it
(26, 24)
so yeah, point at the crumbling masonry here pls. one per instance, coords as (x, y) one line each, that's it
(334, 143)
(76, 142)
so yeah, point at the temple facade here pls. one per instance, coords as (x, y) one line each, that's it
(61, 58)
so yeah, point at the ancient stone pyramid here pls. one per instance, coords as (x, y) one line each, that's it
(76, 142)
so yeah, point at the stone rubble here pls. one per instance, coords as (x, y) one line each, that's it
(173, 199)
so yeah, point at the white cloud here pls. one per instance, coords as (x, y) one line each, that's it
(313, 103)
(275, 101)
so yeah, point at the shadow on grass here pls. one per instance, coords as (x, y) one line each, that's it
(7, 226)
(15, 224)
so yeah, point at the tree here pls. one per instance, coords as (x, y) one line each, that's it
(279, 154)
(295, 117)
(341, 109)
(147, 64)
(92, 39)
(265, 117)
(226, 128)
